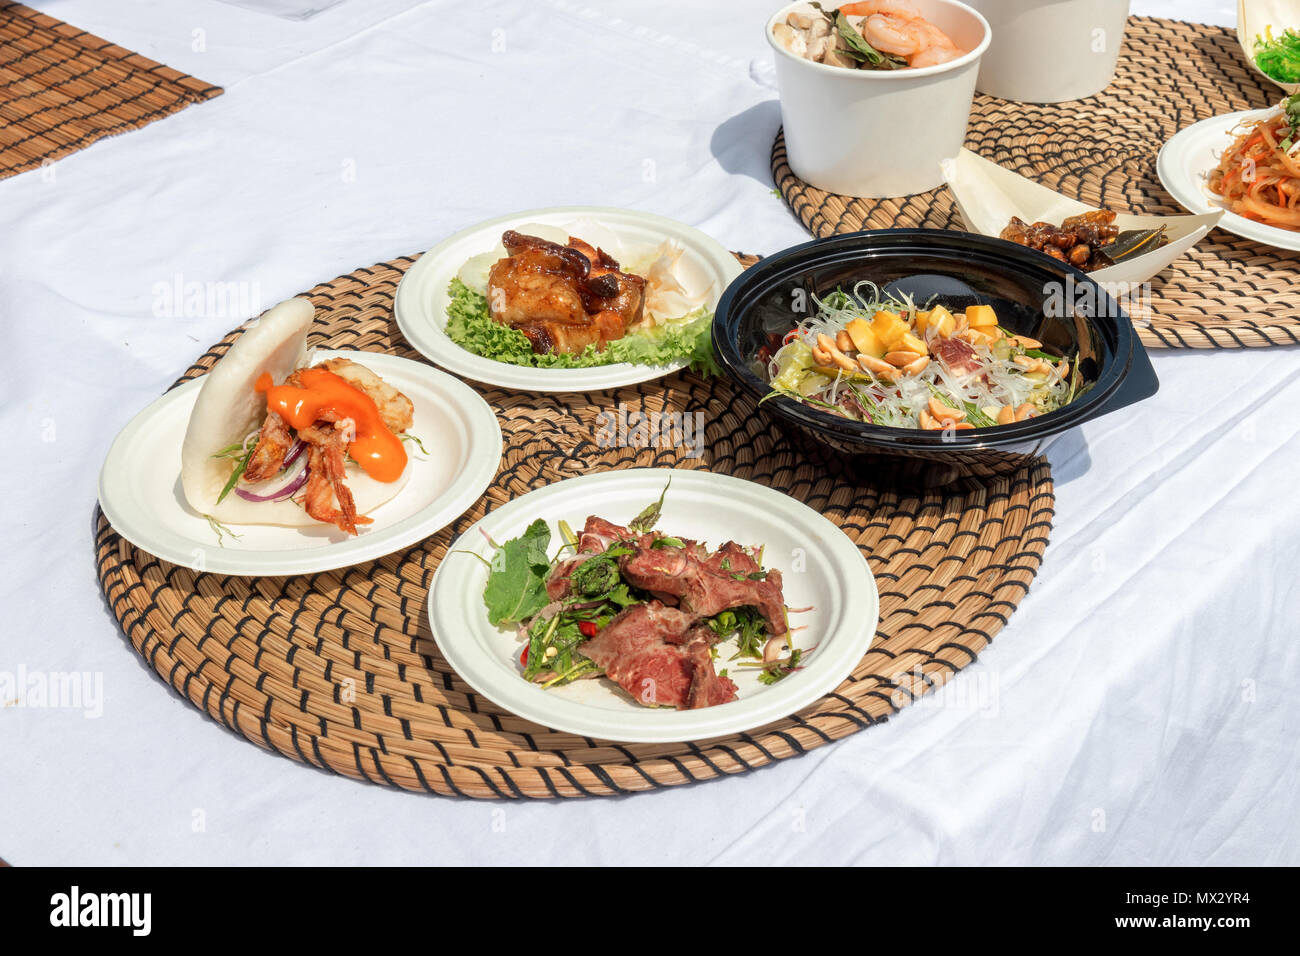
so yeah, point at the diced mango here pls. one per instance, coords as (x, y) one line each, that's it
(864, 338)
(941, 322)
(889, 328)
(912, 343)
(980, 316)
(921, 321)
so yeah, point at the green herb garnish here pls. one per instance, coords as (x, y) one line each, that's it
(649, 517)
(1292, 113)
(236, 474)
(747, 624)
(586, 665)
(777, 670)
(235, 449)
(221, 530)
(419, 444)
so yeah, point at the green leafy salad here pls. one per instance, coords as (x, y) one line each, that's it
(561, 604)
(470, 325)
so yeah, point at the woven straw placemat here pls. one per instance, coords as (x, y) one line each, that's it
(1227, 292)
(339, 670)
(62, 89)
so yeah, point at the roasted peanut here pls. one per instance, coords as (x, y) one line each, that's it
(917, 367)
(1031, 364)
(835, 356)
(876, 366)
(943, 412)
(901, 357)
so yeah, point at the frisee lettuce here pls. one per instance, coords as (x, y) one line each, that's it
(470, 325)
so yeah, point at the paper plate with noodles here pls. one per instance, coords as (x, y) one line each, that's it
(572, 298)
(1247, 163)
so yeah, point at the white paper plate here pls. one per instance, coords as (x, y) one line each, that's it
(1186, 162)
(988, 195)
(140, 486)
(421, 300)
(835, 581)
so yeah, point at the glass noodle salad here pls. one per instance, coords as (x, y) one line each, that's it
(879, 359)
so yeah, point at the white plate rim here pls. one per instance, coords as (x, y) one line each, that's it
(496, 680)
(427, 337)
(482, 459)
(1189, 191)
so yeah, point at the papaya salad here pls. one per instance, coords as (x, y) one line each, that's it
(879, 359)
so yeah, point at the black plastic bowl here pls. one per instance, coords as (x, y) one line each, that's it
(1033, 295)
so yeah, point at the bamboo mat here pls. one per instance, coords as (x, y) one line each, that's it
(269, 657)
(62, 89)
(1227, 292)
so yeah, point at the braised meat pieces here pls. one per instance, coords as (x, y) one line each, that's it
(1077, 240)
(563, 298)
(1090, 240)
(659, 651)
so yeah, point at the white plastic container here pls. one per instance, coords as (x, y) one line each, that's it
(879, 133)
(1050, 51)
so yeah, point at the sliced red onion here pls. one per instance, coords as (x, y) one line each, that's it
(297, 482)
(294, 451)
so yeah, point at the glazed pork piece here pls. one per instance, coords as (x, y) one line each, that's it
(563, 298)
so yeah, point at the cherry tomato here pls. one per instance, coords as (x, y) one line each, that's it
(588, 628)
(523, 657)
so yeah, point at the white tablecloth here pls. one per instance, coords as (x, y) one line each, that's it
(1141, 706)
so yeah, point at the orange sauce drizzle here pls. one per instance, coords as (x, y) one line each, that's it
(376, 449)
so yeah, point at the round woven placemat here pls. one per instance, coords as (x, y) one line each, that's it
(339, 670)
(1227, 292)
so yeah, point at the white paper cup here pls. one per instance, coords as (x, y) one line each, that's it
(879, 133)
(1049, 51)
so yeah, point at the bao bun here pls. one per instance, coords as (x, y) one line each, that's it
(229, 408)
